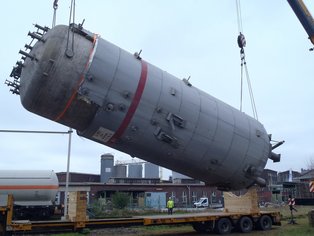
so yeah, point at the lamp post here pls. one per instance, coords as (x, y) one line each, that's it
(67, 176)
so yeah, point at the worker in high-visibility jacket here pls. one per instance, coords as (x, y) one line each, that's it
(170, 206)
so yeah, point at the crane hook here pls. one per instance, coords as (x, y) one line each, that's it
(241, 41)
(55, 4)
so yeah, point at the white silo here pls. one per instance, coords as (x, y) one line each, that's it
(151, 170)
(135, 170)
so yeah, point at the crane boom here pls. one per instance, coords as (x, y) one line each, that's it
(304, 17)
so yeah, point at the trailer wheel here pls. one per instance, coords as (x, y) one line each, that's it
(264, 223)
(223, 226)
(202, 227)
(245, 224)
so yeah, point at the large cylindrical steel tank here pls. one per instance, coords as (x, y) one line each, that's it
(106, 167)
(119, 171)
(176, 175)
(135, 170)
(151, 170)
(30, 187)
(115, 98)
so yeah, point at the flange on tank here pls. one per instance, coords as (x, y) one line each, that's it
(117, 99)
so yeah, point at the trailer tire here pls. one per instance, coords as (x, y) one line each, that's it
(264, 223)
(201, 227)
(223, 226)
(245, 224)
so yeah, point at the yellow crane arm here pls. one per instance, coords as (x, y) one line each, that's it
(304, 17)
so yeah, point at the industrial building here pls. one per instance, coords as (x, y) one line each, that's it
(142, 182)
(280, 185)
(138, 188)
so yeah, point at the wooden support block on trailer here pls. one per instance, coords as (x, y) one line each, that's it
(77, 206)
(247, 203)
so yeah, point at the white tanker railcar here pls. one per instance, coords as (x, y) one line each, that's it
(34, 192)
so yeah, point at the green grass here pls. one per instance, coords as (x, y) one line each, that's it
(302, 227)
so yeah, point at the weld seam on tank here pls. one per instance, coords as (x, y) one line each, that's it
(87, 66)
(134, 104)
(232, 140)
(198, 120)
(199, 113)
(111, 84)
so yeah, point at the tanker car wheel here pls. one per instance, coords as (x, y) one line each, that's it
(2, 224)
(245, 224)
(223, 226)
(264, 223)
(2, 230)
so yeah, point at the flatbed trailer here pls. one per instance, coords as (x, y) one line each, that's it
(219, 222)
(244, 219)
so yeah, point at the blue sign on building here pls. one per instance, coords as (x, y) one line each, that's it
(155, 200)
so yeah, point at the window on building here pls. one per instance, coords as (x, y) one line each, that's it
(194, 196)
(87, 197)
(184, 197)
(213, 197)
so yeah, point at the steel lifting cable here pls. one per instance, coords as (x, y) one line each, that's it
(70, 52)
(55, 7)
(239, 16)
(250, 91)
(242, 43)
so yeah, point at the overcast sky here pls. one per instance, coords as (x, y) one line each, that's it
(194, 38)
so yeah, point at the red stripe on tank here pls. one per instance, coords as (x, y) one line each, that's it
(27, 187)
(134, 104)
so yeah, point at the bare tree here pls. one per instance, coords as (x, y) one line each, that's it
(310, 163)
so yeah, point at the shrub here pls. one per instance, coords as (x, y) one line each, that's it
(120, 200)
